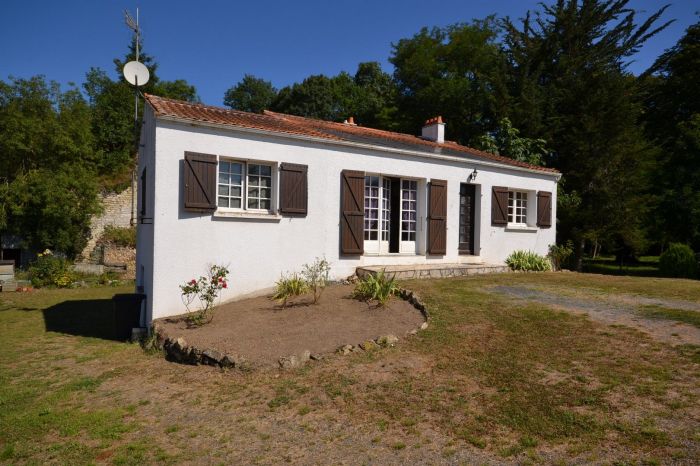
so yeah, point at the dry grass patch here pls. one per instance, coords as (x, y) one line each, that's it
(491, 380)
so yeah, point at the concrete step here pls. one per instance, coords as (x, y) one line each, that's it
(420, 271)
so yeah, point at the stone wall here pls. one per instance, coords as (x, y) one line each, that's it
(117, 211)
(118, 255)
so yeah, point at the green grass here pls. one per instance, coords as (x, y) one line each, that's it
(647, 266)
(506, 380)
(678, 315)
(44, 414)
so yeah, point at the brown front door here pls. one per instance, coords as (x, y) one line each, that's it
(467, 200)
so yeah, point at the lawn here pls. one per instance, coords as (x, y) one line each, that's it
(646, 266)
(494, 379)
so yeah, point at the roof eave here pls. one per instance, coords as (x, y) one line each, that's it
(473, 159)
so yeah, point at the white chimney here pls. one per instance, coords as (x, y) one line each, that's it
(434, 130)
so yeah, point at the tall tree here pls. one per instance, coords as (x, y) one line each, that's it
(455, 72)
(368, 96)
(112, 102)
(251, 94)
(672, 120)
(47, 169)
(568, 79)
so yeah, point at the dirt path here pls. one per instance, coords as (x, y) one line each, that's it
(615, 309)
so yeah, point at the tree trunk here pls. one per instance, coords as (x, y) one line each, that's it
(579, 254)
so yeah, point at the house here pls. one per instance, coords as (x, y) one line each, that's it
(266, 193)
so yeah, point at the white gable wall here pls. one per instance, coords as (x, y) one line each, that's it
(258, 251)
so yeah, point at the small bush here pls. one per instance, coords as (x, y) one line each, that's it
(119, 236)
(316, 276)
(528, 261)
(678, 261)
(559, 254)
(51, 270)
(379, 288)
(290, 286)
(206, 289)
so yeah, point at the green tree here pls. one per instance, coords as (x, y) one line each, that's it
(569, 84)
(47, 180)
(672, 120)
(112, 103)
(42, 127)
(368, 96)
(52, 208)
(506, 140)
(251, 94)
(455, 72)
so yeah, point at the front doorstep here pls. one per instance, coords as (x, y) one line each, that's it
(409, 272)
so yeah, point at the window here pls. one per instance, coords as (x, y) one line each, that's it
(257, 192)
(371, 208)
(259, 186)
(143, 192)
(517, 207)
(409, 195)
(386, 208)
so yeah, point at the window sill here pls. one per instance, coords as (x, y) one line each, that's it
(269, 216)
(391, 254)
(522, 228)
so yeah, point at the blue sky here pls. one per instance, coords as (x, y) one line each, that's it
(212, 44)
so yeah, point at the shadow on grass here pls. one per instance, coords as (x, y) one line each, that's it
(94, 318)
(608, 266)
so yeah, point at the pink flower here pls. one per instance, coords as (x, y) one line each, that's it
(193, 281)
(225, 285)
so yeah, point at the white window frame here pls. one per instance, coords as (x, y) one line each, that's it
(516, 210)
(245, 185)
(380, 245)
(409, 245)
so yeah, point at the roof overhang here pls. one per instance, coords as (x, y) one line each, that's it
(474, 160)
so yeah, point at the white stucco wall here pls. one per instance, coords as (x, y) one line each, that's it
(180, 244)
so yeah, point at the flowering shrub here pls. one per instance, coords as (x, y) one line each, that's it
(50, 270)
(206, 289)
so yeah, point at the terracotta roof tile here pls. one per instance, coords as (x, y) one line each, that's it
(292, 124)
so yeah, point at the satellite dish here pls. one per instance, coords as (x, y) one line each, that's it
(136, 73)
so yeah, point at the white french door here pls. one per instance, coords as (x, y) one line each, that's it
(381, 236)
(377, 214)
(409, 203)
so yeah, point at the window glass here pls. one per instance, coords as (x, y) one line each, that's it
(371, 208)
(517, 207)
(409, 196)
(258, 189)
(259, 180)
(230, 183)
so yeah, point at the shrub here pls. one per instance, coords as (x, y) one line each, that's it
(289, 286)
(206, 289)
(316, 276)
(678, 261)
(379, 288)
(560, 253)
(528, 261)
(120, 236)
(51, 270)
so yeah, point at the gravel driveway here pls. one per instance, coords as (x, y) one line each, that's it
(613, 309)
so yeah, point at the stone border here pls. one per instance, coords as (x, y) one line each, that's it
(176, 349)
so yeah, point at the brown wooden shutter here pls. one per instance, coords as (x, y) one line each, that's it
(200, 181)
(293, 189)
(499, 206)
(352, 212)
(437, 217)
(544, 209)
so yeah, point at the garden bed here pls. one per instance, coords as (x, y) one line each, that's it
(259, 332)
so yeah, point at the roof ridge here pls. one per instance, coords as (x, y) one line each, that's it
(296, 124)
